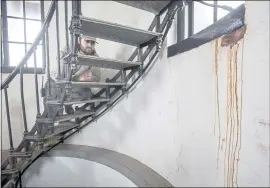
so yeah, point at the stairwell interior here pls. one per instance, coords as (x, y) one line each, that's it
(126, 54)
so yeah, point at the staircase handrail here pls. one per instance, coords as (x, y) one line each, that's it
(33, 46)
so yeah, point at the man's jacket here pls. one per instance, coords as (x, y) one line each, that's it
(87, 73)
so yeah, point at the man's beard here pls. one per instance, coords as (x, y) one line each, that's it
(88, 51)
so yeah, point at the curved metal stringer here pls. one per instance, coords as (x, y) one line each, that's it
(52, 127)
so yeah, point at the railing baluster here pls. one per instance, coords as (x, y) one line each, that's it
(66, 24)
(22, 101)
(57, 37)
(76, 7)
(190, 18)
(36, 83)
(5, 34)
(180, 20)
(24, 29)
(43, 39)
(139, 59)
(215, 11)
(158, 23)
(74, 31)
(21, 81)
(11, 159)
(48, 61)
(21, 72)
(8, 120)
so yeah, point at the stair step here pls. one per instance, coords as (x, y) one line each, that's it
(55, 102)
(90, 84)
(37, 138)
(20, 154)
(49, 138)
(69, 123)
(9, 171)
(44, 120)
(51, 142)
(62, 128)
(67, 117)
(106, 63)
(33, 138)
(149, 6)
(116, 32)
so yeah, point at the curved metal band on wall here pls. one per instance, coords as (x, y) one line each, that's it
(140, 174)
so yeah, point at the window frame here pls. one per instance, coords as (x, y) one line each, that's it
(187, 29)
(5, 55)
(181, 20)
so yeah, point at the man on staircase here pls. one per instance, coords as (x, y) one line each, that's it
(84, 73)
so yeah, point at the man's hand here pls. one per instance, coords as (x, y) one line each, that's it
(86, 76)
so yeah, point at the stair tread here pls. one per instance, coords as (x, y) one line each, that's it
(116, 32)
(105, 62)
(9, 171)
(32, 137)
(91, 84)
(67, 117)
(44, 120)
(76, 101)
(61, 128)
(149, 6)
(20, 154)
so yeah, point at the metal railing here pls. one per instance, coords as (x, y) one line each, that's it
(41, 36)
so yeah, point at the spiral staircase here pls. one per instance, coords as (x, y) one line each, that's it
(52, 126)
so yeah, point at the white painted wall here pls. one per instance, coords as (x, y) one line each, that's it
(67, 172)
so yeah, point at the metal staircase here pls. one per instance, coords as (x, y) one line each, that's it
(53, 126)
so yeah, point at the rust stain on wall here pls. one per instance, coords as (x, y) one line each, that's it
(217, 111)
(230, 143)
